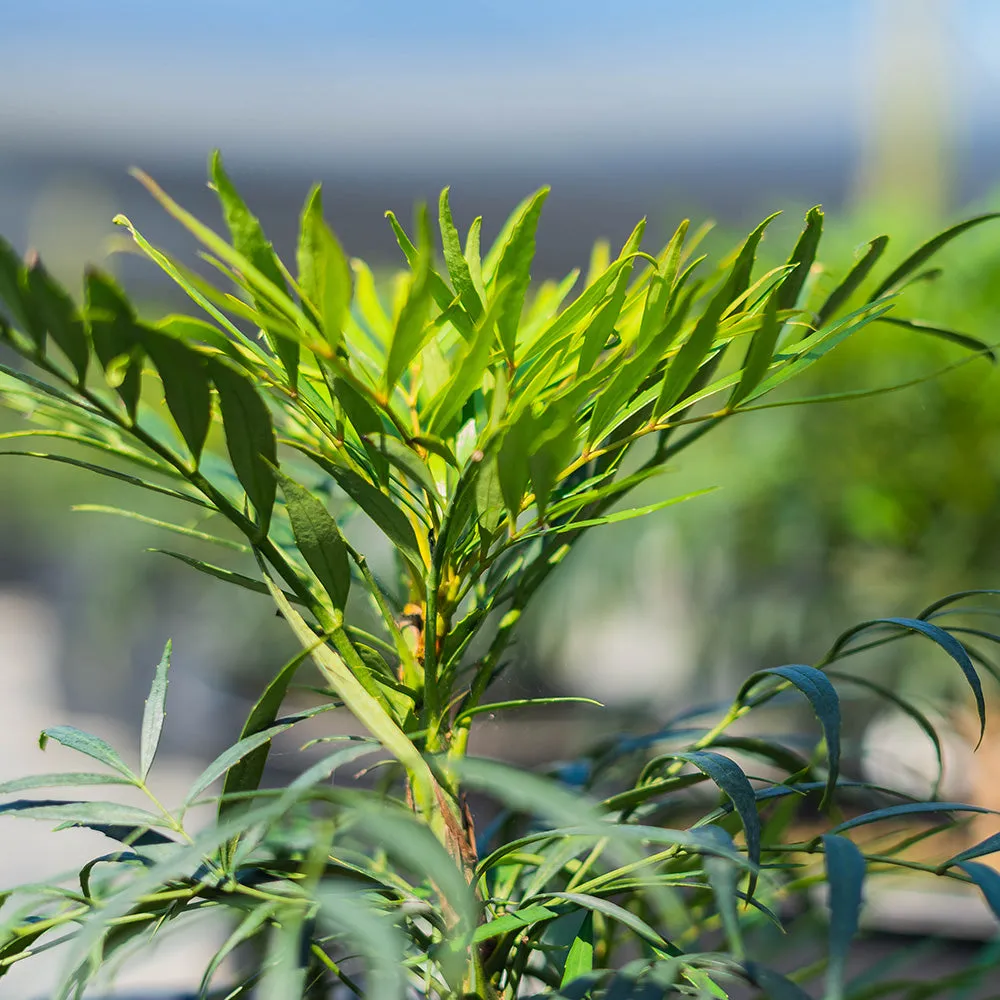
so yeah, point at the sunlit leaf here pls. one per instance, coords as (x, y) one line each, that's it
(154, 714)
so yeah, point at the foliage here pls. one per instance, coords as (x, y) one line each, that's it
(483, 430)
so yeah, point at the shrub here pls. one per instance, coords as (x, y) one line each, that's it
(483, 430)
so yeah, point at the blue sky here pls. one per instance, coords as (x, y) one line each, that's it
(373, 79)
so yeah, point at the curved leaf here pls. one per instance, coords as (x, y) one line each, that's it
(924, 252)
(823, 698)
(936, 634)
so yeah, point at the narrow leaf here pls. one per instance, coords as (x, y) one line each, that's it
(115, 335)
(324, 272)
(112, 474)
(408, 335)
(249, 438)
(802, 257)
(580, 959)
(988, 882)
(249, 240)
(825, 702)
(513, 270)
(852, 281)
(318, 540)
(154, 713)
(454, 258)
(924, 252)
(66, 779)
(186, 387)
(963, 339)
(86, 743)
(760, 352)
(60, 317)
(845, 875)
(220, 572)
(245, 774)
(729, 777)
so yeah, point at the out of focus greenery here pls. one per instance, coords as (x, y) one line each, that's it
(833, 511)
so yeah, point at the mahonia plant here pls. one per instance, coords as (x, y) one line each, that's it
(484, 427)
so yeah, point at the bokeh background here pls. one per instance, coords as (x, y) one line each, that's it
(884, 111)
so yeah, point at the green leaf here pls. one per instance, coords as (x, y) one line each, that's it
(468, 371)
(723, 876)
(75, 813)
(963, 339)
(988, 882)
(154, 714)
(689, 358)
(249, 927)
(513, 269)
(500, 706)
(612, 911)
(852, 280)
(742, 271)
(403, 458)
(190, 330)
(845, 875)
(823, 698)
(729, 777)
(258, 284)
(602, 325)
(580, 959)
(233, 755)
(802, 257)
(324, 271)
(909, 809)
(13, 294)
(350, 914)
(458, 265)
(409, 333)
(186, 386)
(201, 536)
(60, 317)
(936, 634)
(249, 240)
(112, 474)
(88, 744)
(760, 352)
(66, 779)
(318, 540)
(249, 438)
(245, 774)
(115, 335)
(220, 573)
(772, 984)
(376, 505)
(621, 515)
(924, 252)
(512, 921)
(488, 494)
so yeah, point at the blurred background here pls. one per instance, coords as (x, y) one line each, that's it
(884, 111)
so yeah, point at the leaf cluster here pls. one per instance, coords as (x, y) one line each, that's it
(483, 426)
